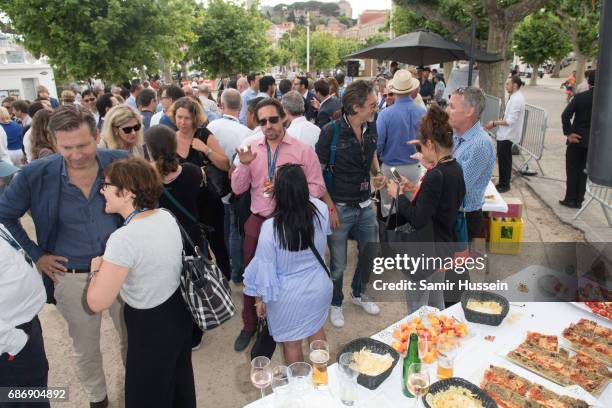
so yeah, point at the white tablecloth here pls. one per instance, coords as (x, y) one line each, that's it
(495, 204)
(475, 356)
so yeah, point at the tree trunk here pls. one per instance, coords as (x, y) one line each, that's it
(448, 68)
(580, 66)
(556, 69)
(534, 78)
(493, 76)
(184, 69)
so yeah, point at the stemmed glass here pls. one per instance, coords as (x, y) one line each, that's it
(261, 373)
(418, 381)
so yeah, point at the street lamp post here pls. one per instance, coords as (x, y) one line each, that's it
(307, 42)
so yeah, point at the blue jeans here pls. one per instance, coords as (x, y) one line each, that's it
(361, 224)
(235, 243)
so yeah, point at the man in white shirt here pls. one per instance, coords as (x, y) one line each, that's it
(209, 105)
(231, 134)
(301, 129)
(23, 362)
(509, 131)
(228, 130)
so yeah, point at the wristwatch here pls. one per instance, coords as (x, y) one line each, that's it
(208, 152)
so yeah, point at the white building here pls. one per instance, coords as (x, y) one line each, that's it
(20, 73)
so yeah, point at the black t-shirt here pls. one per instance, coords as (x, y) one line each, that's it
(351, 171)
(182, 189)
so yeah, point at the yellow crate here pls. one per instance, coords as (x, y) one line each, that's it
(505, 235)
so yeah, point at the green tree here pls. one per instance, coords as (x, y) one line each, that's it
(230, 39)
(496, 20)
(580, 19)
(106, 39)
(346, 46)
(323, 50)
(536, 41)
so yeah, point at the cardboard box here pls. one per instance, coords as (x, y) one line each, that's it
(515, 209)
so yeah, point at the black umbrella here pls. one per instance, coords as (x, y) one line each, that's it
(421, 48)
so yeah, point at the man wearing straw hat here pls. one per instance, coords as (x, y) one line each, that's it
(396, 126)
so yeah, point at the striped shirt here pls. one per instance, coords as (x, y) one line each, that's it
(474, 151)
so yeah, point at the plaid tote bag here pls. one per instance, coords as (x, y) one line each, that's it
(205, 290)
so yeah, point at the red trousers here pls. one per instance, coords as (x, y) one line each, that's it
(251, 234)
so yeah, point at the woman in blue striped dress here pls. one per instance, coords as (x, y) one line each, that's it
(292, 288)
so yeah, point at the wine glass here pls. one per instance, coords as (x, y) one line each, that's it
(261, 373)
(418, 381)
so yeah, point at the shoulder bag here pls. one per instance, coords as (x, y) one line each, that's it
(204, 288)
(217, 179)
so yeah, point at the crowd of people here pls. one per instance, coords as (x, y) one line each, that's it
(268, 177)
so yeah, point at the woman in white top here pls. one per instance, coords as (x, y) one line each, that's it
(143, 263)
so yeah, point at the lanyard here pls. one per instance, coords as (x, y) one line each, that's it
(133, 214)
(13, 242)
(272, 162)
(228, 117)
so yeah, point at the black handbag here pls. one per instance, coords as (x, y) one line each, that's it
(205, 290)
(264, 343)
(216, 179)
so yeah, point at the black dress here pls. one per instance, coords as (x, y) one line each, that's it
(211, 209)
(438, 201)
(182, 188)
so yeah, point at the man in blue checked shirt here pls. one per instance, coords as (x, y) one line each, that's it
(473, 150)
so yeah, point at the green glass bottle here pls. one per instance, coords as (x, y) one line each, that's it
(412, 356)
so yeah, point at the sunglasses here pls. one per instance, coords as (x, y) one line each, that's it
(128, 129)
(89, 100)
(272, 119)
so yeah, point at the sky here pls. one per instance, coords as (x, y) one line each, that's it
(357, 5)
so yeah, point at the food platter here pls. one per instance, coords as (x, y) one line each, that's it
(587, 309)
(571, 368)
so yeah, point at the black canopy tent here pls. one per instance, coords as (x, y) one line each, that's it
(423, 47)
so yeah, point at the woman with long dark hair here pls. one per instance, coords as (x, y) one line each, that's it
(437, 199)
(180, 183)
(291, 286)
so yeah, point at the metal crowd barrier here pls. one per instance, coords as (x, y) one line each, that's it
(603, 195)
(532, 141)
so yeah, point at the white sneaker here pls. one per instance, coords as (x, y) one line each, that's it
(336, 316)
(366, 303)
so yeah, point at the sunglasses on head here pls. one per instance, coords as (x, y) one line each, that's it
(128, 129)
(272, 119)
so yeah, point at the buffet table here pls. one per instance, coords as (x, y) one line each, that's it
(475, 355)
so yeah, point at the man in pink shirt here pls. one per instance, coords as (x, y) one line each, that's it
(258, 163)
